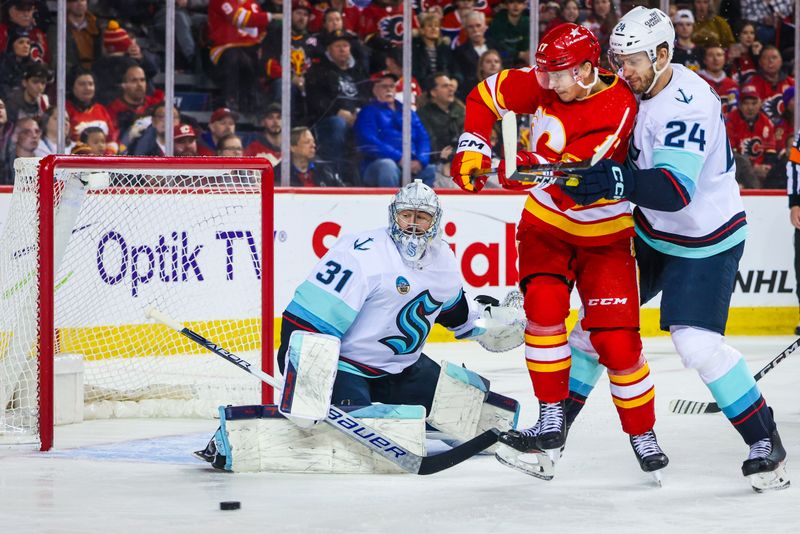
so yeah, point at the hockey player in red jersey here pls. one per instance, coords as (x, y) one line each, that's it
(576, 107)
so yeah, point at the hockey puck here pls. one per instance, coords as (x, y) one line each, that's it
(230, 505)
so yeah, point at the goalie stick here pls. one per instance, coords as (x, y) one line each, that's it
(542, 172)
(352, 428)
(695, 407)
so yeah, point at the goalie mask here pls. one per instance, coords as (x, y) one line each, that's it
(414, 219)
(561, 54)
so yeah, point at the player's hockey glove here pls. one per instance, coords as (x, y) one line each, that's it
(515, 182)
(607, 179)
(473, 153)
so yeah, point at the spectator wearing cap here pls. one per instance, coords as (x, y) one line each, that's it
(221, 123)
(333, 21)
(335, 93)
(466, 56)
(83, 35)
(268, 143)
(20, 15)
(443, 117)
(84, 111)
(120, 52)
(510, 30)
(29, 99)
(379, 138)
(771, 82)
(743, 55)
(715, 75)
(184, 140)
(48, 143)
(303, 47)
(751, 133)
(235, 29)
(686, 52)
(429, 52)
(305, 170)
(15, 61)
(785, 128)
(709, 27)
(134, 101)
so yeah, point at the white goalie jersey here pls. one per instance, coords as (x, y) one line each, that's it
(381, 307)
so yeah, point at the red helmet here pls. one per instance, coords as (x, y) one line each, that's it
(567, 45)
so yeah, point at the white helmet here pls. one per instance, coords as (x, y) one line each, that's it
(642, 30)
(417, 196)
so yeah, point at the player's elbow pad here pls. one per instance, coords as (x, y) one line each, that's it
(659, 189)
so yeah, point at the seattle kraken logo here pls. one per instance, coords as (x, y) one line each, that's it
(412, 321)
(685, 99)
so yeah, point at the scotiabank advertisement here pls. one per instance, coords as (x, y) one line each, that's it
(480, 230)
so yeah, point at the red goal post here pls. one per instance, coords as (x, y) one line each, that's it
(201, 194)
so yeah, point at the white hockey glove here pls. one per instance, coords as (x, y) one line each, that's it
(503, 323)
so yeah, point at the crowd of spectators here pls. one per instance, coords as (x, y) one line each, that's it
(346, 78)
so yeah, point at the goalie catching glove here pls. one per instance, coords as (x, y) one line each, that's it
(501, 326)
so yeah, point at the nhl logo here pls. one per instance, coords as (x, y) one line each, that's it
(402, 285)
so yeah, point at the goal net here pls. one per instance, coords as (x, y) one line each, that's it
(90, 243)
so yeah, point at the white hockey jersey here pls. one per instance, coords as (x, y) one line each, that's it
(379, 306)
(681, 129)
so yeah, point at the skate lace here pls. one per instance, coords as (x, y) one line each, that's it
(551, 418)
(531, 432)
(760, 449)
(645, 444)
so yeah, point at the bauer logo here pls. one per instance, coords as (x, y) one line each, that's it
(173, 257)
(403, 287)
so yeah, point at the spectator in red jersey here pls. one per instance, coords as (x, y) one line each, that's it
(751, 133)
(714, 74)
(394, 64)
(83, 35)
(134, 101)
(184, 140)
(381, 24)
(230, 146)
(743, 55)
(83, 111)
(221, 123)
(235, 28)
(268, 144)
(121, 51)
(95, 139)
(452, 20)
(29, 99)
(429, 53)
(686, 52)
(710, 27)
(601, 21)
(466, 56)
(771, 82)
(20, 15)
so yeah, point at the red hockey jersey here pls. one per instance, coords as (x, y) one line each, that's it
(234, 23)
(385, 22)
(94, 115)
(561, 131)
(771, 95)
(726, 88)
(753, 140)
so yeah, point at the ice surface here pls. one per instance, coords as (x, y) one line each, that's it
(96, 480)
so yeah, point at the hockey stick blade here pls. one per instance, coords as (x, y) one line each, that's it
(341, 421)
(695, 407)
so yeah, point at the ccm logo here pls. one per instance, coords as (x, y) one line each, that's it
(610, 301)
(469, 143)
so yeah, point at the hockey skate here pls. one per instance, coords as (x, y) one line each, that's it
(534, 451)
(766, 464)
(650, 456)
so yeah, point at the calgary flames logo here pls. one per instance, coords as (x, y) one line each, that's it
(391, 27)
(752, 147)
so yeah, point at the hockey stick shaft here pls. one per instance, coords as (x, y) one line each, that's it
(341, 421)
(695, 407)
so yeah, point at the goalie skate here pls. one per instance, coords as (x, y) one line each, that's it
(535, 463)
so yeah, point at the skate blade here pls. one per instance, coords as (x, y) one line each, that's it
(657, 477)
(541, 467)
(771, 480)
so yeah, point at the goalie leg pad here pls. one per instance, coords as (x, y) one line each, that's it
(259, 438)
(457, 401)
(311, 363)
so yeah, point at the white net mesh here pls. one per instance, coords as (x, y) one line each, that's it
(185, 241)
